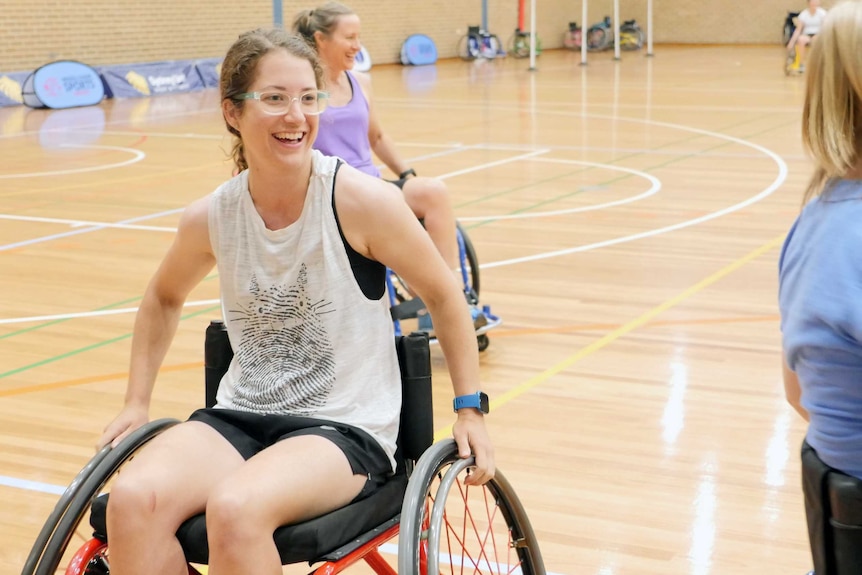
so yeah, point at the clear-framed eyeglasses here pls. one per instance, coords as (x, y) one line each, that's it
(310, 103)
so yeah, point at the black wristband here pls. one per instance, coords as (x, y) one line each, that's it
(407, 172)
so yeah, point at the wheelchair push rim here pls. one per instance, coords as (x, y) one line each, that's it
(449, 527)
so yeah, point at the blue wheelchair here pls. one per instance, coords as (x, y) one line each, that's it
(406, 306)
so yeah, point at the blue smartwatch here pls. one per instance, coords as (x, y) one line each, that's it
(478, 400)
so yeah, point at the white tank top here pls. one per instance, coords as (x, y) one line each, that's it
(306, 340)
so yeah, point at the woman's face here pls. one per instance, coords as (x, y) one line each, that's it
(281, 138)
(338, 50)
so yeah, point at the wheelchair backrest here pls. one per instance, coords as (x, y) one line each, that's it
(416, 433)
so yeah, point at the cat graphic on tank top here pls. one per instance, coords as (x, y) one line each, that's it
(284, 353)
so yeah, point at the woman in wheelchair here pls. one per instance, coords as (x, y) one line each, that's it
(820, 290)
(350, 129)
(808, 24)
(307, 414)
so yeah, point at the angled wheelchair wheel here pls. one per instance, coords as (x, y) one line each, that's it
(469, 264)
(519, 44)
(469, 47)
(64, 544)
(598, 38)
(448, 527)
(469, 267)
(631, 37)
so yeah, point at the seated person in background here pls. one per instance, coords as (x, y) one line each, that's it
(808, 25)
(350, 130)
(820, 268)
(307, 415)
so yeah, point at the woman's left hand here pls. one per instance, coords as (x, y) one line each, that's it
(472, 438)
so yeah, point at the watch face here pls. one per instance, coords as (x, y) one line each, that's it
(483, 402)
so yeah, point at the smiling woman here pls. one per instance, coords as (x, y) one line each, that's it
(350, 129)
(310, 404)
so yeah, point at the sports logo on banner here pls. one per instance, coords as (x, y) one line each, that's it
(152, 79)
(63, 84)
(418, 50)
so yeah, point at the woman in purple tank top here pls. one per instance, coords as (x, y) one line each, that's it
(333, 29)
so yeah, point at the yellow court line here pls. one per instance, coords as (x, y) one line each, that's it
(503, 332)
(623, 330)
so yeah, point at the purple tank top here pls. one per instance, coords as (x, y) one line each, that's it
(343, 131)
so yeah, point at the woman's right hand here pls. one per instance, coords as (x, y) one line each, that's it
(128, 420)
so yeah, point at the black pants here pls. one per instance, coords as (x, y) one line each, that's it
(833, 507)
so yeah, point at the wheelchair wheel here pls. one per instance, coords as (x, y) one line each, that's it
(469, 271)
(469, 264)
(572, 39)
(448, 527)
(51, 549)
(631, 37)
(519, 44)
(598, 39)
(469, 47)
(490, 47)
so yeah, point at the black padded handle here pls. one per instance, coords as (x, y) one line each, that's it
(217, 356)
(417, 410)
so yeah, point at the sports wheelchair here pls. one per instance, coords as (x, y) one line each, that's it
(404, 305)
(442, 524)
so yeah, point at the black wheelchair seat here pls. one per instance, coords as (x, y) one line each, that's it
(326, 538)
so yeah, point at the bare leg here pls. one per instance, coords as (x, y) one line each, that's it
(801, 45)
(429, 200)
(295, 479)
(165, 484)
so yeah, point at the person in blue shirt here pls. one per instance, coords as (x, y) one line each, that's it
(820, 274)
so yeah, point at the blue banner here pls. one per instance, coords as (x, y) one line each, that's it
(63, 84)
(209, 70)
(10, 88)
(152, 79)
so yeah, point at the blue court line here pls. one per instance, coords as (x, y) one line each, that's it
(31, 485)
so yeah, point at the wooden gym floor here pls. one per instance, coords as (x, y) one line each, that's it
(628, 216)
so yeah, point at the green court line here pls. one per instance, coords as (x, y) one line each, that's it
(56, 321)
(48, 360)
(95, 345)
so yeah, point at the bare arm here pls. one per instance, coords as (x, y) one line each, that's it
(187, 262)
(379, 224)
(797, 31)
(792, 390)
(382, 146)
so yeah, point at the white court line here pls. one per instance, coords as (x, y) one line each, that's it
(117, 122)
(28, 485)
(97, 227)
(187, 135)
(79, 223)
(779, 179)
(656, 186)
(118, 311)
(139, 155)
(492, 164)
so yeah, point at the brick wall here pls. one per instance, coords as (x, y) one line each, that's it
(100, 32)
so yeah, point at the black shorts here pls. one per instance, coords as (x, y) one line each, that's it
(250, 433)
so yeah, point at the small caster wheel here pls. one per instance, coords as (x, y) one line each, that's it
(483, 342)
